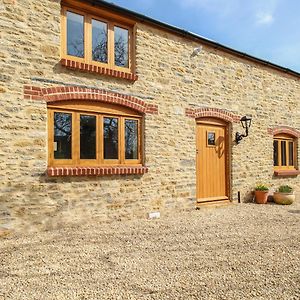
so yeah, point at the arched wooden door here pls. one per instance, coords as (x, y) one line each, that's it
(212, 160)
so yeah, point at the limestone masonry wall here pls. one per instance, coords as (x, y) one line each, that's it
(169, 79)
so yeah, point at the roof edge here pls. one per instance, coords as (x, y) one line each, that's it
(188, 34)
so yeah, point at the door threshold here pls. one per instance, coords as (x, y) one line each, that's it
(213, 203)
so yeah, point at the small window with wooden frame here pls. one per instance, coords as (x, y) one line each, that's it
(285, 152)
(96, 37)
(93, 135)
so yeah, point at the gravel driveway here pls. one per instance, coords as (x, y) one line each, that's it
(243, 251)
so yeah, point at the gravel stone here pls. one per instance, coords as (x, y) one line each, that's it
(241, 251)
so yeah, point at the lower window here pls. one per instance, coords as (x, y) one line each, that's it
(93, 137)
(284, 155)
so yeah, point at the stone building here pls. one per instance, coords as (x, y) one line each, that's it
(109, 114)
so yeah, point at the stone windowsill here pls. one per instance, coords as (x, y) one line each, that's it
(286, 172)
(71, 64)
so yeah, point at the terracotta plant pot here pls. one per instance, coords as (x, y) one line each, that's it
(261, 197)
(284, 198)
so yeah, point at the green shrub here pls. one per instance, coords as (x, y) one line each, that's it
(285, 189)
(261, 187)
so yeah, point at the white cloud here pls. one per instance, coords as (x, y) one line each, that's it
(264, 18)
(265, 11)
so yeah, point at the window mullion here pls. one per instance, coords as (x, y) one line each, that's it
(100, 140)
(130, 34)
(88, 39)
(111, 51)
(97, 142)
(75, 138)
(279, 153)
(295, 154)
(122, 141)
(288, 153)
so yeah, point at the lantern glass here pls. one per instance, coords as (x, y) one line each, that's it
(246, 122)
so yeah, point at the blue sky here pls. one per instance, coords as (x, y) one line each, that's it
(267, 29)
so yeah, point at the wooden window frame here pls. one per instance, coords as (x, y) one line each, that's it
(286, 138)
(130, 161)
(87, 59)
(106, 110)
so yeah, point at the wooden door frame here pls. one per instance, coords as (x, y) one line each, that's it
(228, 178)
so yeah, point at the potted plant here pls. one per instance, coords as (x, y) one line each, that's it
(284, 195)
(261, 194)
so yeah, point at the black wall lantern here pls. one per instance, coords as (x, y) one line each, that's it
(246, 123)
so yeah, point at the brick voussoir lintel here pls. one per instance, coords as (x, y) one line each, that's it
(96, 171)
(212, 112)
(64, 93)
(285, 130)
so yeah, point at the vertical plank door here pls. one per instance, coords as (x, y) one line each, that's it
(211, 161)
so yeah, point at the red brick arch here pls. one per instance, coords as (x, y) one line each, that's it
(214, 113)
(285, 130)
(65, 93)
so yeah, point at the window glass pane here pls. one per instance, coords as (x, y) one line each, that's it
(291, 153)
(211, 138)
(131, 139)
(75, 34)
(87, 137)
(283, 153)
(99, 44)
(110, 128)
(62, 136)
(121, 47)
(275, 153)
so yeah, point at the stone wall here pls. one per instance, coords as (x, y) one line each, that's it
(167, 77)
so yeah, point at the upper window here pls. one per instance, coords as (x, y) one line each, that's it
(89, 135)
(285, 152)
(97, 40)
